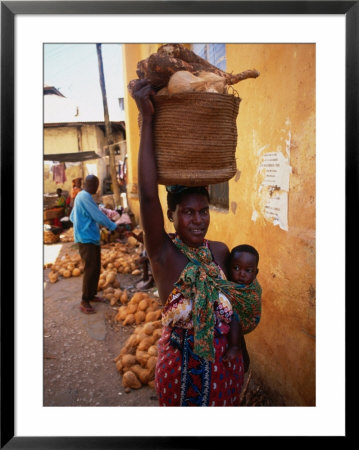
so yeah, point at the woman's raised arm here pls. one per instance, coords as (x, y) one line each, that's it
(150, 206)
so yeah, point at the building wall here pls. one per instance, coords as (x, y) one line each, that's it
(277, 114)
(71, 140)
(60, 140)
(276, 118)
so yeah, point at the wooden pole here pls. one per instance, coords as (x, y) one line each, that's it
(115, 186)
(79, 148)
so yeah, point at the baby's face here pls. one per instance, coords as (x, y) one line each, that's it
(243, 268)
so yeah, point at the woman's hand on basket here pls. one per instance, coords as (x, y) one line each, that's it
(142, 92)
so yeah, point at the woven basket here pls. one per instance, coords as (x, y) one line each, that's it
(195, 138)
(54, 213)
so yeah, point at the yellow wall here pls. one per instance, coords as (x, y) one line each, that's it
(88, 137)
(61, 140)
(276, 114)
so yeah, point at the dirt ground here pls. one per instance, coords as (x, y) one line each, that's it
(79, 349)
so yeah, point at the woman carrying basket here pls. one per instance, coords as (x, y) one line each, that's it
(193, 368)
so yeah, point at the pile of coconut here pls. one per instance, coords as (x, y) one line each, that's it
(65, 266)
(140, 308)
(114, 294)
(67, 235)
(115, 258)
(137, 359)
(121, 258)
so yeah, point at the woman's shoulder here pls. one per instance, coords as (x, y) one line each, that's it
(220, 252)
(218, 246)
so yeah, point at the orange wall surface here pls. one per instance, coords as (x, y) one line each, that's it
(276, 114)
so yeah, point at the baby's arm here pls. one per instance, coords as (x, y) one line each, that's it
(234, 340)
(236, 343)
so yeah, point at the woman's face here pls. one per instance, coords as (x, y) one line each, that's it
(191, 219)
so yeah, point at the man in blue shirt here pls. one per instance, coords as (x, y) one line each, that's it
(86, 218)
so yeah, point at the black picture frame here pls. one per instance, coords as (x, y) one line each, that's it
(9, 9)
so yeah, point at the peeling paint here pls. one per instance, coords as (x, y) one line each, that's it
(260, 150)
(288, 144)
(233, 207)
(238, 175)
(255, 215)
(272, 181)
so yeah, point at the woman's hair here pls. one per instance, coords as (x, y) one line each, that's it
(244, 248)
(175, 195)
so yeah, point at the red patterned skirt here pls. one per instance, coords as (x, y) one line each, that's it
(185, 379)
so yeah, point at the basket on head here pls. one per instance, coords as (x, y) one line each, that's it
(195, 138)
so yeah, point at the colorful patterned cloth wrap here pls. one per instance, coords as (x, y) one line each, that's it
(190, 369)
(185, 379)
(201, 283)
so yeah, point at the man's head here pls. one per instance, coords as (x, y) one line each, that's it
(91, 184)
(243, 264)
(59, 192)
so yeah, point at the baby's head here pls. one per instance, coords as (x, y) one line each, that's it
(243, 264)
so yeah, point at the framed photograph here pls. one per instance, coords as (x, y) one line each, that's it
(330, 26)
